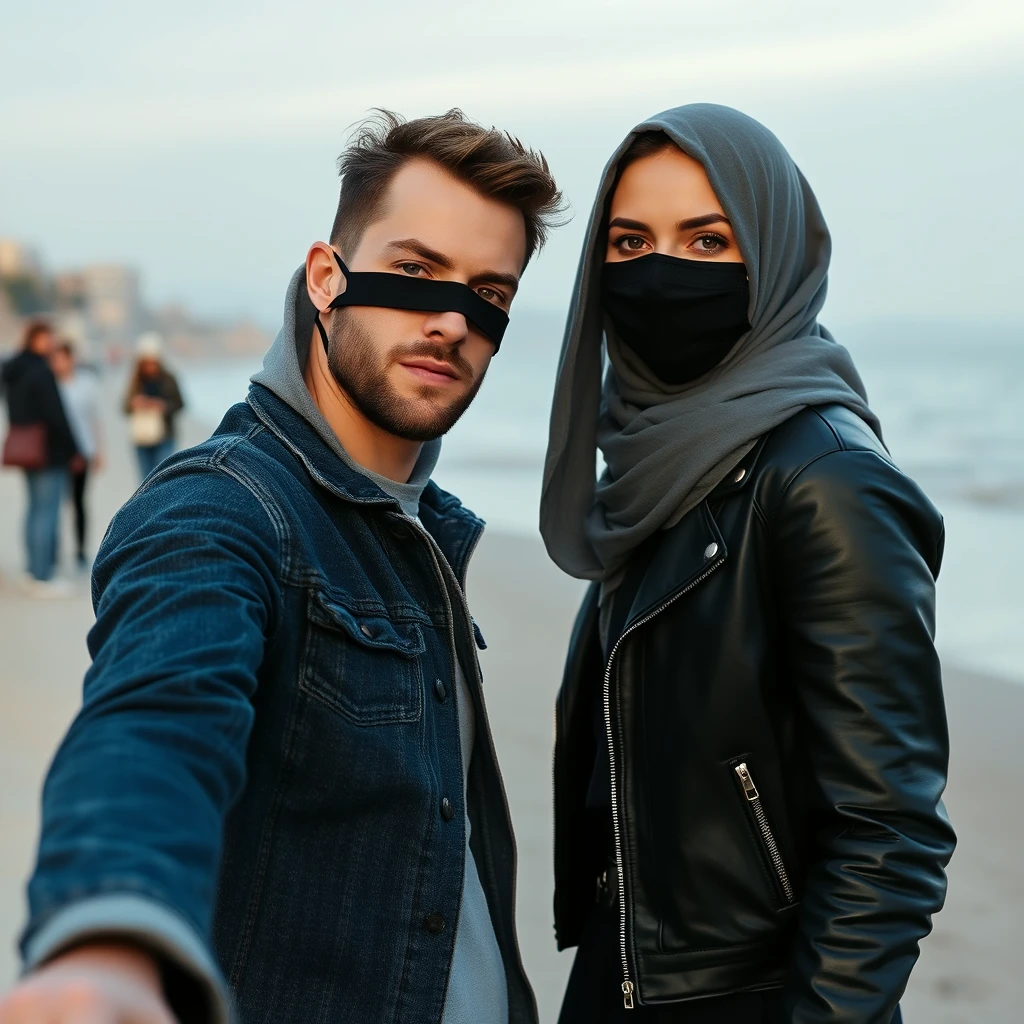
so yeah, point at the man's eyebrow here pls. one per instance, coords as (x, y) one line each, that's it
(495, 277)
(421, 249)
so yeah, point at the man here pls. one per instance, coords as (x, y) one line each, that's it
(34, 401)
(283, 756)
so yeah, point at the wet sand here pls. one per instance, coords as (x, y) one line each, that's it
(969, 970)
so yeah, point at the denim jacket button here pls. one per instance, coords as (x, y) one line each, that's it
(440, 690)
(447, 809)
(365, 630)
(434, 923)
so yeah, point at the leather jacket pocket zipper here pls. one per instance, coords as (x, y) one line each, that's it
(771, 847)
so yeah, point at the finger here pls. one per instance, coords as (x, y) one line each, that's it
(85, 1005)
(24, 1006)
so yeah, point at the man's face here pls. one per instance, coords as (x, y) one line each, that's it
(411, 373)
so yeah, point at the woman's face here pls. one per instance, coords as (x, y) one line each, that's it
(664, 203)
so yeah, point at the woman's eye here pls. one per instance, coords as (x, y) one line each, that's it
(711, 245)
(412, 269)
(630, 243)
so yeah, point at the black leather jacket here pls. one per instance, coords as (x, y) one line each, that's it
(779, 743)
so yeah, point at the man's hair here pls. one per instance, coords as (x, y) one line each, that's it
(32, 331)
(494, 163)
(65, 346)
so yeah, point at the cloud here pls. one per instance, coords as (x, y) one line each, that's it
(236, 74)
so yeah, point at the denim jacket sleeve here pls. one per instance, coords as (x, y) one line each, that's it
(186, 594)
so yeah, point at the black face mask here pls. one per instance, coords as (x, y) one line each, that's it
(399, 291)
(681, 317)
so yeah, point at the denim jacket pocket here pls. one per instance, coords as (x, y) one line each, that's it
(363, 665)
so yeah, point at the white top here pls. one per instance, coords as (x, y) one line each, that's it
(80, 397)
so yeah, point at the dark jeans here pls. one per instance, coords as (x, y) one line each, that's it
(150, 456)
(78, 482)
(594, 992)
(46, 490)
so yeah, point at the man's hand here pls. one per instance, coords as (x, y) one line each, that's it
(96, 984)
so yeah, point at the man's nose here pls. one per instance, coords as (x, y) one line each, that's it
(451, 326)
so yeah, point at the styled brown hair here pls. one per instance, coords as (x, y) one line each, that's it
(494, 163)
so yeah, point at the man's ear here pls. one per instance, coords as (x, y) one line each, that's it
(324, 279)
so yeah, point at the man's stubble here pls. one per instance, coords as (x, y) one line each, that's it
(362, 374)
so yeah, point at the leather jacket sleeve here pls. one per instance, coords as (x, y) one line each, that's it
(857, 547)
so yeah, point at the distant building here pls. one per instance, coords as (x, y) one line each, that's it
(100, 308)
(23, 285)
(18, 260)
(111, 304)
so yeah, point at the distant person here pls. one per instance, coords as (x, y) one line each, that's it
(41, 443)
(152, 403)
(79, 394)
(751, 742)
(282, 784)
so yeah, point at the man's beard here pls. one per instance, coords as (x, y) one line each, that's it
(363, 375)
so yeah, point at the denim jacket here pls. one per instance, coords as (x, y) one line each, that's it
(260, 785)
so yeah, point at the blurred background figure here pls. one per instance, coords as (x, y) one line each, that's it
(152, 402)
(40, 443)
(79, 394)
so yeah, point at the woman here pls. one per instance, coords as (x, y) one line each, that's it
(751, 743)
(152, 402)
(78, 392)
(41, 443)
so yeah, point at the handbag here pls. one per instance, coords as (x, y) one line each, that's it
(148, 427)
(25, 446)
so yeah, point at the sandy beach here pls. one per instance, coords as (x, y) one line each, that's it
(969, 969)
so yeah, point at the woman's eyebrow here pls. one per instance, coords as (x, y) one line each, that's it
(703, 221)
(633, 225)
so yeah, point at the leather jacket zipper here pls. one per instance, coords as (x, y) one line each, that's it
(767, 836)
(628, 988)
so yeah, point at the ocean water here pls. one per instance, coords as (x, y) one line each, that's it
(951, 401)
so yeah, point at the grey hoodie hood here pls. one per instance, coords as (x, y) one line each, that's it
(282, 374)
(667, 447)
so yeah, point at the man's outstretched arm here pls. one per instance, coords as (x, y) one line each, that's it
(135, 801)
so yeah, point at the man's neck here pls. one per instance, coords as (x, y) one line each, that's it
(367, 444)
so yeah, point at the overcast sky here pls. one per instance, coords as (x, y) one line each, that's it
(197, 140)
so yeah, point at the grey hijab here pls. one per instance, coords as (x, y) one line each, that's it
(666, 448)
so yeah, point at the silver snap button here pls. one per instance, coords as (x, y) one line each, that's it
(365, 629)
(740, 474)
(711, 550)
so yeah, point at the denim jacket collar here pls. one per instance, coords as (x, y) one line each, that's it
(454, 528)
